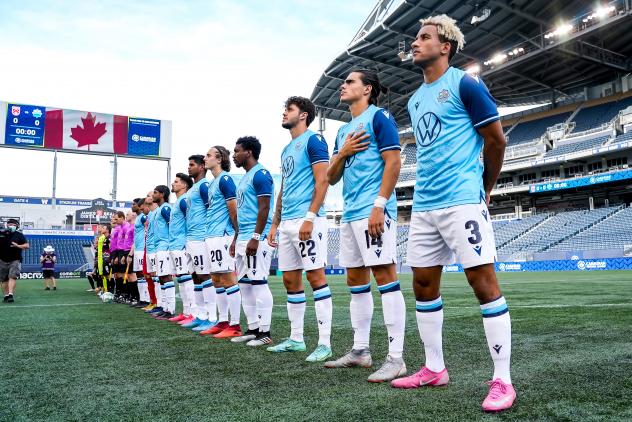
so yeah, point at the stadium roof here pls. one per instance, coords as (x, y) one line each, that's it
(536, 67)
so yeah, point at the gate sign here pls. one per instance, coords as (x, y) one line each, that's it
(25, 125)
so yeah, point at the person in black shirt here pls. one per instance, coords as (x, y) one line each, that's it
(12, 243)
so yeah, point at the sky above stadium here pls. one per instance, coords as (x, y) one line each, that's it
(217, 69)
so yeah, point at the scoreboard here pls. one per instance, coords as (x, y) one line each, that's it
(25, 125)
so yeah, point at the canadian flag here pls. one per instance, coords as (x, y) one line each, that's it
(85, 131)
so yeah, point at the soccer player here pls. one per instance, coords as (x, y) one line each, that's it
(150, 256)
(127, 244)
(180, 260)
(114, 279)
(252, 253)
(103, 257)
(455, 117)
(367, 154)
(138, 251)
(164, 267)
(204, 309)
(302, 227)
(48, 259)
(221, 220)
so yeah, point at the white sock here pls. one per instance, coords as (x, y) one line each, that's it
(296, 314)
(264, 304)
(170, 297)
(158, 291)
(200, 309)
(324, 309)
(222, 304)
(143, 292)
(430, 326)
(497, 325)
(190, 286)
(361, 310)
(233, 297)
(249, 303)
(394, 310)
(185, 285)
(209, 300)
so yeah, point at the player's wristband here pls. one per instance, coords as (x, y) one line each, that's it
(380, 202)
(256, 236)
(310, 216)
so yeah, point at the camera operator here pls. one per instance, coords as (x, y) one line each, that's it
(48, 259)
(12, 243)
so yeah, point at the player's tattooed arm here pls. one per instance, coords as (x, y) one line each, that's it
(352, 145)
(392, 165)
(276, 220)
(493, 154)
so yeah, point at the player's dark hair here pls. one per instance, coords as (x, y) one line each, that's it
(120, 214)
(305, 105)
(164, 191)
(251, 144)
(370, 77)
(107, 226)
(186, 179)
(138, 201)
(197, 159)
(224, 156)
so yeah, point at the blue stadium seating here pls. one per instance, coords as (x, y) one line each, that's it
(625, 137)
(577, 146)
(529, 131)
(595, 116)
(409, 154)
(612, 232)
(69, 249)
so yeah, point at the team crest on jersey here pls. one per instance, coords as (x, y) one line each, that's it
(298, 146)
(288, 167)
(443, 96)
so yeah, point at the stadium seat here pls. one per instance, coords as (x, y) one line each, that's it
(528, 131)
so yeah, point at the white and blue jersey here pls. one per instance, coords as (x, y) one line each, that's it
(298, 157)
(218, 222)
(445, 115)
(178, 224)
(255, 183)
(197, 202)
(161, 230)
(363, 171)
(151, 231)
(139, 232)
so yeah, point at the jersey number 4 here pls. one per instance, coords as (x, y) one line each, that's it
(370, 241)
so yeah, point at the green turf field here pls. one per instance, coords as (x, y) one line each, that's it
(65, 356)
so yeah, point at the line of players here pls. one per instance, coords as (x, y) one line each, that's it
(217, 239)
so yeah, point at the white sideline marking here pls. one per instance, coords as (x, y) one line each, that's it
(8, 305)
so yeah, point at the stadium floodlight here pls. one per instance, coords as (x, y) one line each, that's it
(560, 30)
(474, 69)
(496, 59)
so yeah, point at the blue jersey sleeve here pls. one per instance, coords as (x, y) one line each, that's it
(183, 207)
(166, 213)
(478, 102)
(143, 219)
(385, 131)
(263, 184)
(227, 187)
(317, 150)
(204, 187)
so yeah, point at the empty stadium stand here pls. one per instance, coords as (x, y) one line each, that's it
(69, 249)
(577, 146)
(528, 131)
(595, 116)
(614, 231)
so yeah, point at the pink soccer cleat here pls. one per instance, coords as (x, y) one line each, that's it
(424, 377)
(187, 320)
(500, 397)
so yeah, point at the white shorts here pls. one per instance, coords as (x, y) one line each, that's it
(164, 265)
(256, 267)
(201, 262)
(151, 263)
(181, 262)
(358, 249)
(139, 256)
(217, 249)
(302, 255)
(463, 232)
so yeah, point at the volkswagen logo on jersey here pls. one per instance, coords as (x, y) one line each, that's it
(288, 166)
(240, 198)
(349, 161)
(428, 129)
